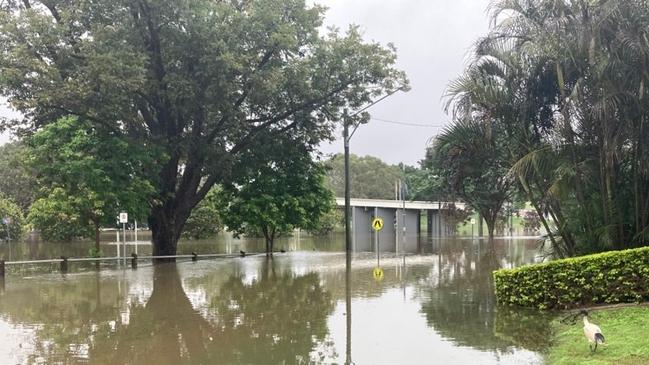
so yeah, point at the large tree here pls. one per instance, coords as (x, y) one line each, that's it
(198, 80)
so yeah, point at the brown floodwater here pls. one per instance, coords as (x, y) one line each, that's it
(435, 305)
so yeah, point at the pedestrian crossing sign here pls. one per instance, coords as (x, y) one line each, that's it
(377, 224)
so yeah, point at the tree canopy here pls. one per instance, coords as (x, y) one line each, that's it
(198, 81)
(370, 177)
(17, 183)
(277, 188)
(86, 176)
(470, 160)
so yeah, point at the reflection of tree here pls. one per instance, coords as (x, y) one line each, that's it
(167, 328)
(67, 313)
(276, 319)
(462, 308)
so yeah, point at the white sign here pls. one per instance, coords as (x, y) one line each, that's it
(472, 220)
(123, 217)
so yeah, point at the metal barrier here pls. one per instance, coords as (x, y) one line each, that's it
(63, 260)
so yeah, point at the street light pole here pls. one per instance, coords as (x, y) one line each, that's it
(348, 236)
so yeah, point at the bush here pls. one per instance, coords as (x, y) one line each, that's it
(610, 277)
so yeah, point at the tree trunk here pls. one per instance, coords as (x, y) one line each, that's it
(490, 219)
(165, 230)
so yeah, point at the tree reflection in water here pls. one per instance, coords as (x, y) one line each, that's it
(278, 318)
(462, 306)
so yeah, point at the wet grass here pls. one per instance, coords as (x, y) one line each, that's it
(626, 332)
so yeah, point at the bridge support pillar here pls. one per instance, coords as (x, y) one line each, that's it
(362, 239)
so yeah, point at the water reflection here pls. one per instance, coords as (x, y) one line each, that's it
(461, 305)
(295, 309)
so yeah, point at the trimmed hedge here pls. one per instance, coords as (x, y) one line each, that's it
(609, 277)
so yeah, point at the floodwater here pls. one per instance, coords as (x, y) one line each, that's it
(435, 305)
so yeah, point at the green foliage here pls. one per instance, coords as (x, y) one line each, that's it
(94, 252)
(560, 81)
(204, 222)
(18, 181)
(58, 218)
(625, 330)
(370, 177)
(86, 177)
(610, 277)
(9, 210)
(328, 222)
(279, 189)
(470, 158)
(199, 81)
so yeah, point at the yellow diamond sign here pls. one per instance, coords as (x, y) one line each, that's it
(378, 274)
(377, 224)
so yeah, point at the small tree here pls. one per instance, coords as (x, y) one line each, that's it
(277, 189)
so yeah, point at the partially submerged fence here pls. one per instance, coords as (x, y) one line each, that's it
(64, 261)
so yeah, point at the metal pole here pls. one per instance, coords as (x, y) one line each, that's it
(403, 218)
(439, 219)
(136, 236)
(124, 241)
(348, 236)
(376, 240)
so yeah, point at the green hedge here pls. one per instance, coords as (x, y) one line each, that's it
(610, 277)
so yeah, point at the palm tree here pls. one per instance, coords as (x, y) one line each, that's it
(563, 82)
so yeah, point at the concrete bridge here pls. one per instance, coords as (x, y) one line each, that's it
(402, 223)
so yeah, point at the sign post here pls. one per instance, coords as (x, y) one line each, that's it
(123, 219)
(472, 226)
(377, 225)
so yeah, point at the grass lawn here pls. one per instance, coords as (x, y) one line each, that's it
(626, 330)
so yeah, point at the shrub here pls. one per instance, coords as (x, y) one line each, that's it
(610, 277)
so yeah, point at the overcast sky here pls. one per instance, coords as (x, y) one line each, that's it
(433, 40)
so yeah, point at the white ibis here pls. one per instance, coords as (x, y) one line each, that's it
(592, 332)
